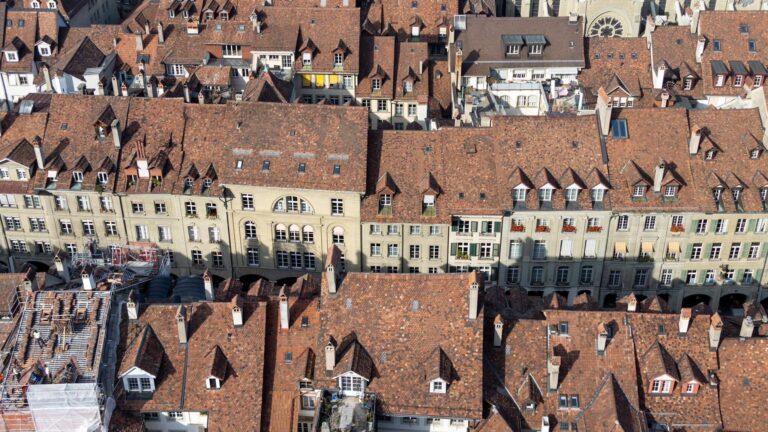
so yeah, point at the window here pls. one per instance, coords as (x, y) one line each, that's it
(415, 252)
(337, 207)
(650, 223)
(735, 251)
(33, 201)
(214, 234)
(562, 275)
(614, 278)
(690, 277)
(641, 277)
(701, 226)
(246, 201)
(741, 226)
(638, 191)
(375, 249)
(486, 250)
(670, 191)
(11, 56)
(721, 226)
(133, 384)
(175, 70)
(535, 49)
(619, 129)
(539, 249)
(537, 275)
(518, 194)
(586, 275)
(545, 194)
(381, 105)
(146, 384)
(411, 110)
(338, 235)
(661, 386)
(513, 49)
(89, 228)
(415, 230)
(696, 251)
(376, 84)
(590, 248)
(393, 250)
(83, 204)
(12, 223)
(190, 209)
(65, 226)
(252, 255)
(515, 249)
(566, 249)
(762, 224)
(194, 233)
(231, 51)
(714, 253)
(754, 250)
(571, 194)
(748, 277)
(294, 234)
(623, 223)
(666, 277)
(434, 252)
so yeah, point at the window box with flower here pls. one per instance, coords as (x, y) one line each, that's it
(518, 228)
(677, 229)
(542, 229)
(594, 229)
(569, 228)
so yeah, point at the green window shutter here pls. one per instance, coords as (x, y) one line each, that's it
(454, 248)
(739, 275)
(745, 249)
(473, 250)
(496, 250)
(707, 251)
(473, 226)
(694, 224)
(763, 249)
(758, 276)
(688, 250)
(751, 225)
(497, 227)
(713, 225)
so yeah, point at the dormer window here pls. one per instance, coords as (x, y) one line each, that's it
(663, 386)
(188, 182)
(376, 84)
(535, 49)
(35, 5)
(338, 59)
(688, 83)
(572, 194)
(736, 193)
(77, 176)
(185, 14)
(716, 46)
(619, 129)
(518, 194)
(224, 16)
(758, 80)
(385, 201)
(101, 132)
(213, 383)
(639, 191)
(437, 386)
(764, 194)
(306, 59)
(207, 183)
(545, 194)
(51, 5)
(670, 191)
(738, 80)
(513, 49)
(171, 13)
(752, 46)
(754, 154)
(44, 50)
(415, 31)
(691, 388)
(209, 15)
(408, 86)
(12, 56)
(598, 193)
(102, 177)
(719, 80)
(717, 194)
(710, 154)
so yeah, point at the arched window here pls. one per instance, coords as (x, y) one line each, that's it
(309, 234)
(250, 230)
(338, 235)
(294, 233)
(292, 204)
(280, 233)
(279, 205)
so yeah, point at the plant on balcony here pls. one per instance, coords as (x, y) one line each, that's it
(569, 228)
(677, 229)
(645, 258)
(518, 228)
(542, 228)
(594, 229)
(462, 255)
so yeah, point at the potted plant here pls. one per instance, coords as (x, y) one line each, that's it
(569, 228)
(542, 228)
(594, 229)
(518, 228)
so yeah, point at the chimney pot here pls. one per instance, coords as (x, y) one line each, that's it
(237, 311)
(474, 291)
(284, 311)
(89, 284)
(330, 278)
(330, 357)
(116, 138)
(181, 323)
(602, 339)
(659, 176)
(685, 320)
(498, 331)
(695, 140)
(115, 86)
(747, 327)
(37, 145)
(715, 330)
(553, 372)
(187, 96)
(160, 33)
(632, 305)
(132, 306)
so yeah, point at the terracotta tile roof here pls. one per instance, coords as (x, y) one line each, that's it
(633, 160)
(401, 338)
(9, 293)
(483, 48)
(377, 60)
(325, 32)
(725, 27)
(413, 65)
(676, 46)
(218, 75)
(398, 16)
(742, 378)
(26, 28)
(733, 134)
(617, 62)
(184, 368)
(267, 87)
(144, 352)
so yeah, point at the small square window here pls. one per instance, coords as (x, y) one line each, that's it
(239, 164)
(265, 165)
(288, 357)
(337, 170)
(752, 44)
(716, 45)
(619, 129)
(302, 168)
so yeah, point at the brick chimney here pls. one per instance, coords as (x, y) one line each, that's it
(237, 311)
(498, 330)
(685, 320)
(747, 327)
(37, 145)
(208, 285)
(659, 176)
(89, 284)
(632, 304)
(602, 338)
(715, 330)
(181, 323)
(132, 306)
(553, 372)
(659, 75)
(160, 33)
(695, 140)
(285, 318)
(474, 293)
(330, 358)
(700, 49)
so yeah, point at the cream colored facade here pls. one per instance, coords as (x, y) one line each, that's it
(475, 244)
(418, 248)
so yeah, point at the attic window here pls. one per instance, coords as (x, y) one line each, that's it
(619, 129)
(437, 387)
(44, 50)
(265, 165)
(461, 195)
(597, 56)
(610, 56)
(743, 28)
(21, 23)
(241, 28)
(288, 357)
(754, 154)
(11, 56)
(482, 196)
(337, 170)
(752, 44)
(518, 145)
(563, 327)
(77, 176)
(239, 164)
(302, 168)
(633, 56)
(64, 126)
(214, 383)
(710, 154)
(621, 56)
(304, 322)
(217, 27)
(716, 45)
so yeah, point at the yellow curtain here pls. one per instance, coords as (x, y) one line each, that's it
(306, 80)
(333, 79)
(319, 81)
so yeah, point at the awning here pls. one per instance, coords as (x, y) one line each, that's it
(535, 39)
(620, 247)
(674, 247)
(647, 247)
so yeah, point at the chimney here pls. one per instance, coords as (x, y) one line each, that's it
(151, 88)
(114, 43)
(193, 27)
(181, 323)
(330, 357)
(650, 26)
(747, 327)
(603, 109)
(139, 42)
(659, 176)
(474, 291)
(330, 278)
(100, 89)
(115, 86)
(116, 133)
(602, 339)
(700, 49)
(187, 97)
(237, 311)
(658, 77)
(208, 285)
(284, 313)
(553, 372)
(160, 33)
(545, 424)
(632, 304)
(89, 284)
(498, 330)
(685, 320)
(664, 99)
(61, 268)
(47, 76)
(459, 60)
(421, 67)
(695, 141)
(698, 6)
(715, 330)
(37, 145)
(132, 306)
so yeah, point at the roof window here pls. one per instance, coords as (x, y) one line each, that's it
(265, 165)
(337, 170)
(716, 45)
(302, 168)
(239, 164)
(619, 129)
(752, 45)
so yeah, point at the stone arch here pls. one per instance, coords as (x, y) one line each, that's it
(694, 299)
(608, 25)
(609, 301)
(249, 279)
(732, 304)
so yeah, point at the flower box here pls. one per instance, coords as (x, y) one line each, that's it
(518, 228)
(594, 229)
(677, 229)
(542, 228)
(569, 228)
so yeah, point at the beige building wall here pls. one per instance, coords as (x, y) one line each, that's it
(422, 248)
(475, 244)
